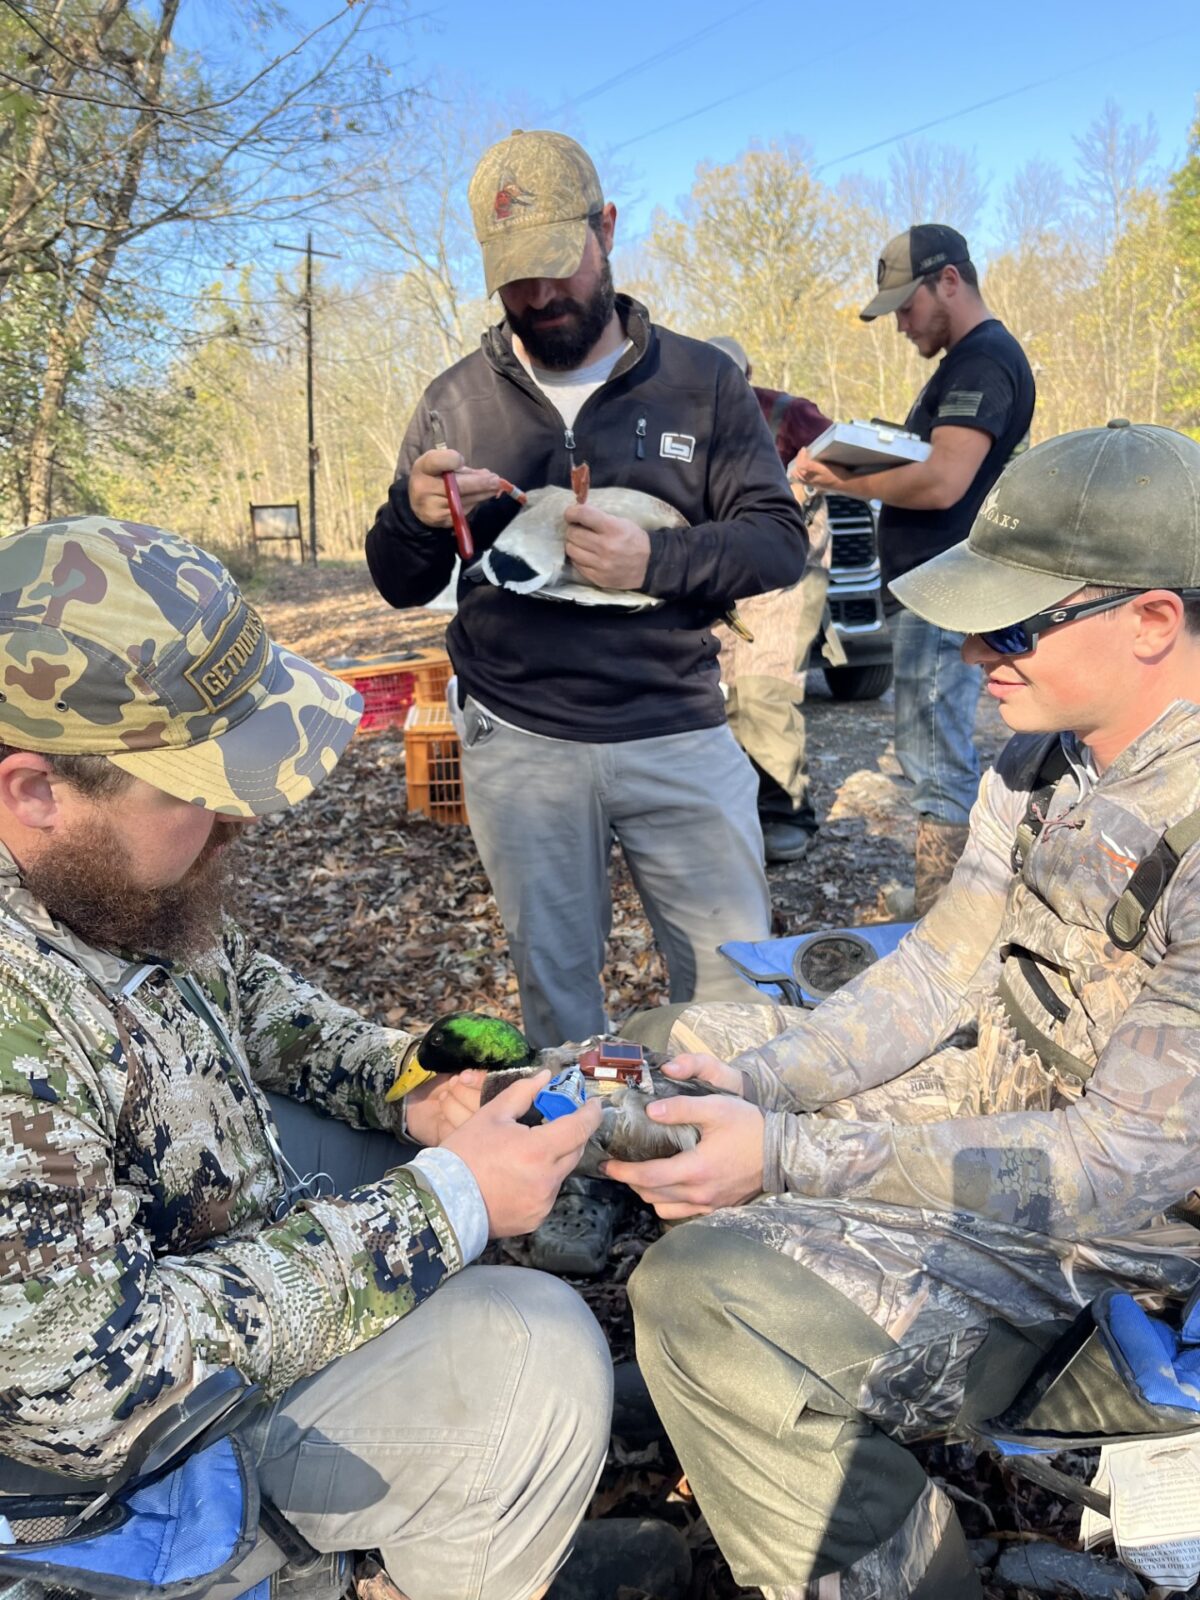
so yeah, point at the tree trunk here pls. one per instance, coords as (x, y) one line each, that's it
(68, 340)
(27, 188)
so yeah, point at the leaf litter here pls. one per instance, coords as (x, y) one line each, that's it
(393, 915)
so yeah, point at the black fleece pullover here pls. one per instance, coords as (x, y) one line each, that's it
(676, 419)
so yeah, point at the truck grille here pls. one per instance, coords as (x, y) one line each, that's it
(861, 611)
(853, 528)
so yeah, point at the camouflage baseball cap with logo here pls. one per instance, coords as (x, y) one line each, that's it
(125, 641)
(907, 259)
(531, 196)
(1117, 506)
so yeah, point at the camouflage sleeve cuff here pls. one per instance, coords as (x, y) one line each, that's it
(774, 1181)
(453, 1185)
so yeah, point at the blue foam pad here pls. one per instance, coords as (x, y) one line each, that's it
(1164, 1369)
(766, 964)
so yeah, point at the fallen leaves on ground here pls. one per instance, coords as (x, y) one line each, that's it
(392, 914)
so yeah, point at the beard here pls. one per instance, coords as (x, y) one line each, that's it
(85, 883)
(562, 348)
(937, 334)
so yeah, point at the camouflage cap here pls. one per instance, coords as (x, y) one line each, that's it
(907, 259)
(125, 641)
(1116, 506)
(531, 196)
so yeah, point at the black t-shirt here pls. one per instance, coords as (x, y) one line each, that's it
(984, 382)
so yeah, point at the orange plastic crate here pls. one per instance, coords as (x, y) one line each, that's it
(433, 765)
(389, 685)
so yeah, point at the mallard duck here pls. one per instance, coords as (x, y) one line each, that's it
(530, 556)
(463, 1039)
(625, 1133)
(459, 1040)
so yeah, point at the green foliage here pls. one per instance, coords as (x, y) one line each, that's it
(1184, 214)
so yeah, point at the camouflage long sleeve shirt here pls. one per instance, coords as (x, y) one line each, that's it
(137, 1247)
(1074, 1164)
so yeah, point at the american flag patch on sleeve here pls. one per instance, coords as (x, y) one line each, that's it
(961, 403)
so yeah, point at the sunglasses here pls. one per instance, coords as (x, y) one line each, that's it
(1020, 638)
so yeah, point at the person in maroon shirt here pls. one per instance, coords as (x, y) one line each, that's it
(764, 678)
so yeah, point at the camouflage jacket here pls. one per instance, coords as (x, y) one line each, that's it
(1074, 1163)
(137, 1247)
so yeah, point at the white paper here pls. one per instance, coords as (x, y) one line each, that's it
(1094, 1526)
(1154, 1516)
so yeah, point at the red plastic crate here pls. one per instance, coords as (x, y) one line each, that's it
(389, 685)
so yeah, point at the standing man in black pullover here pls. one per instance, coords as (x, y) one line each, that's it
(581, 722)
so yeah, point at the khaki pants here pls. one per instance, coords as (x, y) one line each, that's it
(764, 682)
(464, 1443)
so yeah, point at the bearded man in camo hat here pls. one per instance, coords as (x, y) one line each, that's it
(154, 1226)
(925, 1212)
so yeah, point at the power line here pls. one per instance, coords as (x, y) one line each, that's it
(653, 61)
(992, 100)
(737, 94)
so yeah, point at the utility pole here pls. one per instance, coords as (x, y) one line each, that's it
(314, 454)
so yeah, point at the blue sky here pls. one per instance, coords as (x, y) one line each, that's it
(652, 87)
(838, 76)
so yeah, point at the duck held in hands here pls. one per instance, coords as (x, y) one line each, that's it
(530, 556)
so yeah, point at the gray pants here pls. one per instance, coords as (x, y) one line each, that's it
(543, 813)
(464, 1443)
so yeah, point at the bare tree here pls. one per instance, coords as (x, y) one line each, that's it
(935, 183)
(128, 140)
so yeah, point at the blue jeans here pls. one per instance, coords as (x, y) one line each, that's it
(937, 694)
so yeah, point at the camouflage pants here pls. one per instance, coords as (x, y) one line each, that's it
(764, 678)
(794, 1344)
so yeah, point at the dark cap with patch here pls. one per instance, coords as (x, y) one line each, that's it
(1116, 506)
(907, 259)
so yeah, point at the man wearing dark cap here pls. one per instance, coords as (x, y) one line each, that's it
(156, 1221)
(929, 1212)
(585, 722)
(975, 413)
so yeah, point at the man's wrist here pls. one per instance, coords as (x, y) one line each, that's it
(448, 1177)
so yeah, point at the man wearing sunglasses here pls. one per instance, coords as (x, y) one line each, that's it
(914, 1186)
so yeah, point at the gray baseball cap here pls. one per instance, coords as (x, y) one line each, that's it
(733, 350)
(1118, 506)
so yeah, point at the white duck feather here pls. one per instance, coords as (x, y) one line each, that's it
(530, 555)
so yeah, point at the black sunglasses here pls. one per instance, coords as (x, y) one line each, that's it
(1020, 638)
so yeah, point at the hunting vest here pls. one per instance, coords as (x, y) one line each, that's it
(1065, 985)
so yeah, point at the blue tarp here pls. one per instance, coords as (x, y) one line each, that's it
(1163, 1363)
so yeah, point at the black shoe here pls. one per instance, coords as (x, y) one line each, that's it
(635, 1422)
(784, 840)
(575, 1236)
(615, 1553)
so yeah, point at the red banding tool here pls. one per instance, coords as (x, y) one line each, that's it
(462, 533)
(458, 521)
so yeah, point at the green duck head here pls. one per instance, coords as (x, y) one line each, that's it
(470, 1039)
